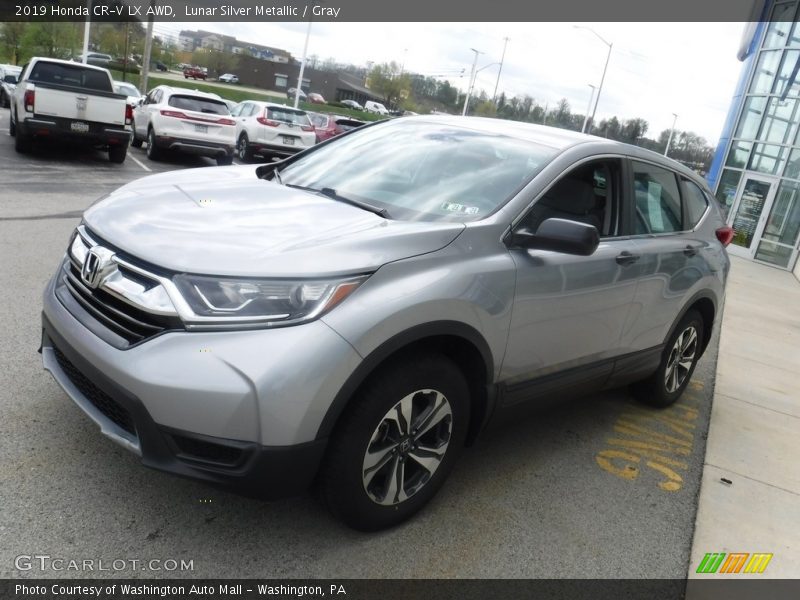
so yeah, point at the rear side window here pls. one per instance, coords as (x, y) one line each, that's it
(203, 105)
(288, 116)
(657, 200)
(46, 72)
(694, 204)
(347, 125)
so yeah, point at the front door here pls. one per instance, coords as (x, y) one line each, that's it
(749, 215)
(778, 241)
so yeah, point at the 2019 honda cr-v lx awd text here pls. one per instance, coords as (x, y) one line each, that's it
(354, 315)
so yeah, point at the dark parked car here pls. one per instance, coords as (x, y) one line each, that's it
(161, 66)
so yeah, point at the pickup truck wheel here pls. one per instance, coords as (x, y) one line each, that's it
(224, 161)
(680, 356)
(12, 127)
(117, 154)
(136, 142)
(22, 143)
(153, 151)
(397, 442)
(4, 99)
(243, 148)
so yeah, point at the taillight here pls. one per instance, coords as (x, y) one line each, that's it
(267, 122)
(176, 114)
(307, 128)
(29, 99)
(226, 122)
(128, 114)
(725, 235)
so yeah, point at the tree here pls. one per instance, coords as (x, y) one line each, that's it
(215, 61)
(11, 40)
(55, 40)
(387, 80)
(562, 114)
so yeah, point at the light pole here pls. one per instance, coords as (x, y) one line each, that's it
(471, 78)
(671, 133)
(588, 108)
(603, 78)
(403, 64)
(86, 31)
(475, 77)
(500, 70)
(302, 65)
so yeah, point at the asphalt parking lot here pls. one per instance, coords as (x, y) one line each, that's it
(599, 487)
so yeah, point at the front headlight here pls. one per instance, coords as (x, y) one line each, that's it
(251, 302)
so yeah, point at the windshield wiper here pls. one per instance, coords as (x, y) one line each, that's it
(331, 193)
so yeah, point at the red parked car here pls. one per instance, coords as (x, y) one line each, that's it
(315, 98)
(195, 73)
(328, 126)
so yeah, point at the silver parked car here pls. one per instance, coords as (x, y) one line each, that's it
(354, 315)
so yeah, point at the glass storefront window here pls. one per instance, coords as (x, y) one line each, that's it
(767, 68)
(751, 117)
(767, 158)
(773, 253)
(780, 24)
(737, 155)
(793, 166)
(783, 224)
(787, 82)
(726, 190)
(780, 124)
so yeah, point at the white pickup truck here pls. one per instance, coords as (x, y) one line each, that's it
(64, 100)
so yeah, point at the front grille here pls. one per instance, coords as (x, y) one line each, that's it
(130, 323)
(101, 401)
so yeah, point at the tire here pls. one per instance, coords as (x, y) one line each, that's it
(243, 149)
(22, 143)
(117, 154)
(4, 99)
(361, 494)
(135, 141)
(153, 151)
(680, 356)
(12, 126)
(224, 161)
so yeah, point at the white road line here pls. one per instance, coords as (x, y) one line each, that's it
(141, 164)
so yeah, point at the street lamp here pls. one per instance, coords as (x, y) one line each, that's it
(500, 70)
(588, 108)
(603, 78)
(475, 77)
(671, 133)
(471, 79)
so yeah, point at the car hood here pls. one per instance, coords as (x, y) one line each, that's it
(226, 221)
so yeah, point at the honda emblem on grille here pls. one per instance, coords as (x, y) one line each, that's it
(96, 266)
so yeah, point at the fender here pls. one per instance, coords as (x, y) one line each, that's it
(396, 343)
(708, 295)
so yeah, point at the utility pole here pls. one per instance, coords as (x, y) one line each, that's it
(471, 79)
(500, 70)
(127, 53)
(86, 31)
(671, 133)
(588, 108)
(148, 49)
(302, 66)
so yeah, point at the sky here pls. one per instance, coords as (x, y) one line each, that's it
(655, 69)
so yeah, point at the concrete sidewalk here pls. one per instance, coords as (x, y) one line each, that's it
(754, 437)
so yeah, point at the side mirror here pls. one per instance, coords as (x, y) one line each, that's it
(559, 235)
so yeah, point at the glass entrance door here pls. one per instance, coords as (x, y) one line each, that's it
(749, 213)
(778, 243)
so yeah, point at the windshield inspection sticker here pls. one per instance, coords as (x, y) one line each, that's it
(455, 207)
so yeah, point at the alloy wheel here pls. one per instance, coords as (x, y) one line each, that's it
(407, 447)
(681, 359)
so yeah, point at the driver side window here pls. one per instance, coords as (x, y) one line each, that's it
(587, 194)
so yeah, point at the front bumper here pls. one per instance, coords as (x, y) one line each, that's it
(240, 409)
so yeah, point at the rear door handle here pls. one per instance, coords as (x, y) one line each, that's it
(690, 250)
(626, 258)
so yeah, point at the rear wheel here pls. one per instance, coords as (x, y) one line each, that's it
(243, 149)
(153, 151)
(117, 154)
(680, 356)
(22, 142)
(12, 126)
(136, 141)
(224, 161)
(397, 443)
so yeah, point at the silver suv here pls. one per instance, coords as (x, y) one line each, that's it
(354, 315)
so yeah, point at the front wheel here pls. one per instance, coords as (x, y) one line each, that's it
(136, 142)
(397, 442)
(680, 356)
(224, 161)
(243, 149)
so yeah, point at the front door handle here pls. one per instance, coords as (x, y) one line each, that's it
(626, 258)
(690, 250)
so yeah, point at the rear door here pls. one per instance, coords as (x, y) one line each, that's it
(671, 260)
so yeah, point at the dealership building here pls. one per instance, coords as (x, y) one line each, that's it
(756, 170)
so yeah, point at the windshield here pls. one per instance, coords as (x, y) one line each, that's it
(421, 170)
(318, 120)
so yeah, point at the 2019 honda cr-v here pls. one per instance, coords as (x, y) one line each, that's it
(354, 315)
